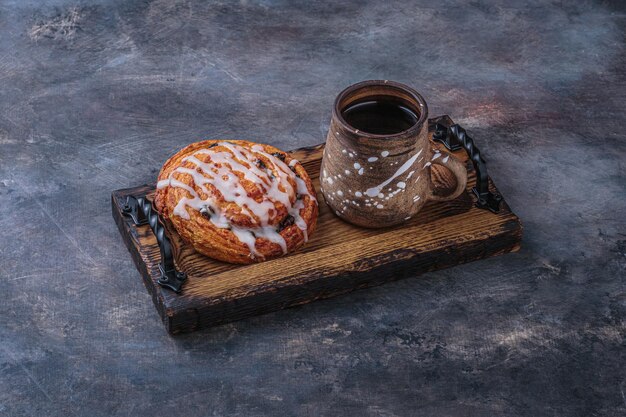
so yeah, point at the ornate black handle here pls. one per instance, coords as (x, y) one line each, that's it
(455, 138)
(141, 212)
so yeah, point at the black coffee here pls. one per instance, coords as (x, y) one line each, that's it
(379, 117)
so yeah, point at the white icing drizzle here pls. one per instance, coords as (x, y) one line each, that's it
(222, 179)
(374, 191)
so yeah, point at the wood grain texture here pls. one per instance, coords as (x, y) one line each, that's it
(339, 257)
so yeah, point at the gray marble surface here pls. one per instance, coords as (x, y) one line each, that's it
(94, 96)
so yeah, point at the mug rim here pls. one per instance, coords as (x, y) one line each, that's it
(413, 130)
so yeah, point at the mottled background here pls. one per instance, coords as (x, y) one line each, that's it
(94, 96)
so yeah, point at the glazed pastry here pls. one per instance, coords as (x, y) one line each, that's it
(237, 201)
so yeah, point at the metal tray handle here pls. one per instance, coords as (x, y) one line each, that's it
(140, 211)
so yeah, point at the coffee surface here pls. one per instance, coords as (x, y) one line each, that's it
(379, 117)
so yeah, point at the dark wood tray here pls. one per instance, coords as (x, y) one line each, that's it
(339, 257)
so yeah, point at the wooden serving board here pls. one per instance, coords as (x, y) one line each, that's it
(339, 257)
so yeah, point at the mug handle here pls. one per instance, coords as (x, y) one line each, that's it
(454, 137)
(457, 168)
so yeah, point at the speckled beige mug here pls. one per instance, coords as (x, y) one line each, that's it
(384, 178)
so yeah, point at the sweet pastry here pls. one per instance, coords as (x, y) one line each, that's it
(237, 201)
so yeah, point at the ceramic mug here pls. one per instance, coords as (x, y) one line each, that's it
(376, 168)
